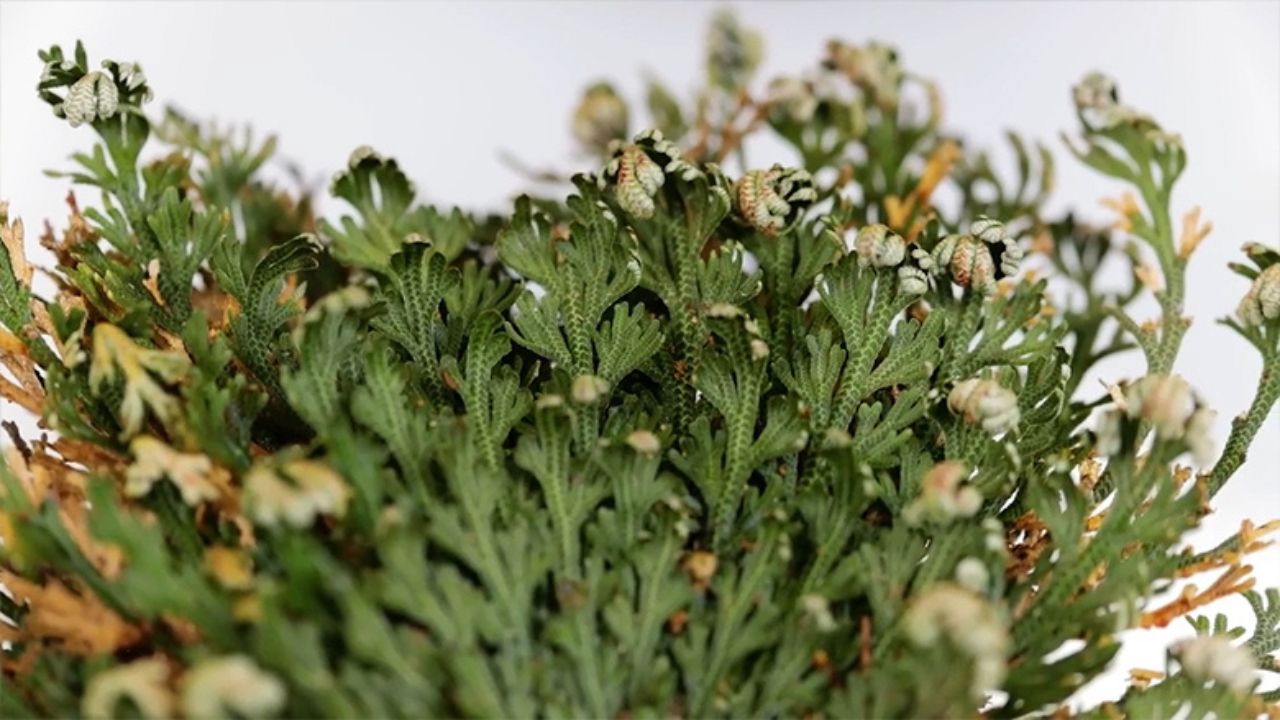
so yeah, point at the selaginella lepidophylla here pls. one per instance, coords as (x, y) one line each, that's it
(700, 439)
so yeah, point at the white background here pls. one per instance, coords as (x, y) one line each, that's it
(444, 86)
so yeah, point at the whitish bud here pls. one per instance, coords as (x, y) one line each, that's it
(644, 442)
(925, 260)
(838, 438)
(993, 233)
(943, 496)
(878, 246)
(972, 573)
(912, 280)
(802, 440)
(987, 230)
(638, 178)
(968, 501)
(1163, 400)
(994, 536)
(759, 349)
(688, 171)
(819, 610)
(1214, 658)
(600, 118)
(362, 153)
(144, 683)
(973, 266)
(549, 401)
(231, 685)
(770, 200)
(1010, 259)
(945, 611)
(1199, 436)
(92, 97)
(1119, 114)
(985, 402)
(130, 81)
(131, 75)
(940, 260)
(588, 389)
(969, 260)
(1168, 403)
(872, 67)
(1095, 92)
(154, 460)
(1262, 302)
(723, 310)
(295, 492)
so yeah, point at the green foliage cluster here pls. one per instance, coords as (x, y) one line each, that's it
(785, 441)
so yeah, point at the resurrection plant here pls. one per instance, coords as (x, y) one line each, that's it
(700, 439)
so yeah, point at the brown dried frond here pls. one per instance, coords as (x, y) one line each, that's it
(1090, 472)
(1097, 575)
(183, 630)
(1026, 539)
(43, 477)
(1235, 580)
(700, 566)
(77, 232)
(216, 305)
(152, 281)
(1093, 522)
(25, 388)
(232, 568)
(77, 623)
(1141, 678)
(85, 454)
(1247, 541)
(1181, 474)
(11, 236)
(1126, 206)
(1193, 233)
(1149, 276)
(936, 169)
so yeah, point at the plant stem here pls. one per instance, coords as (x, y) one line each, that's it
(1246, 426)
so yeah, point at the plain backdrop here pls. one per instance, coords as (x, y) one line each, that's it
(444, 86)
